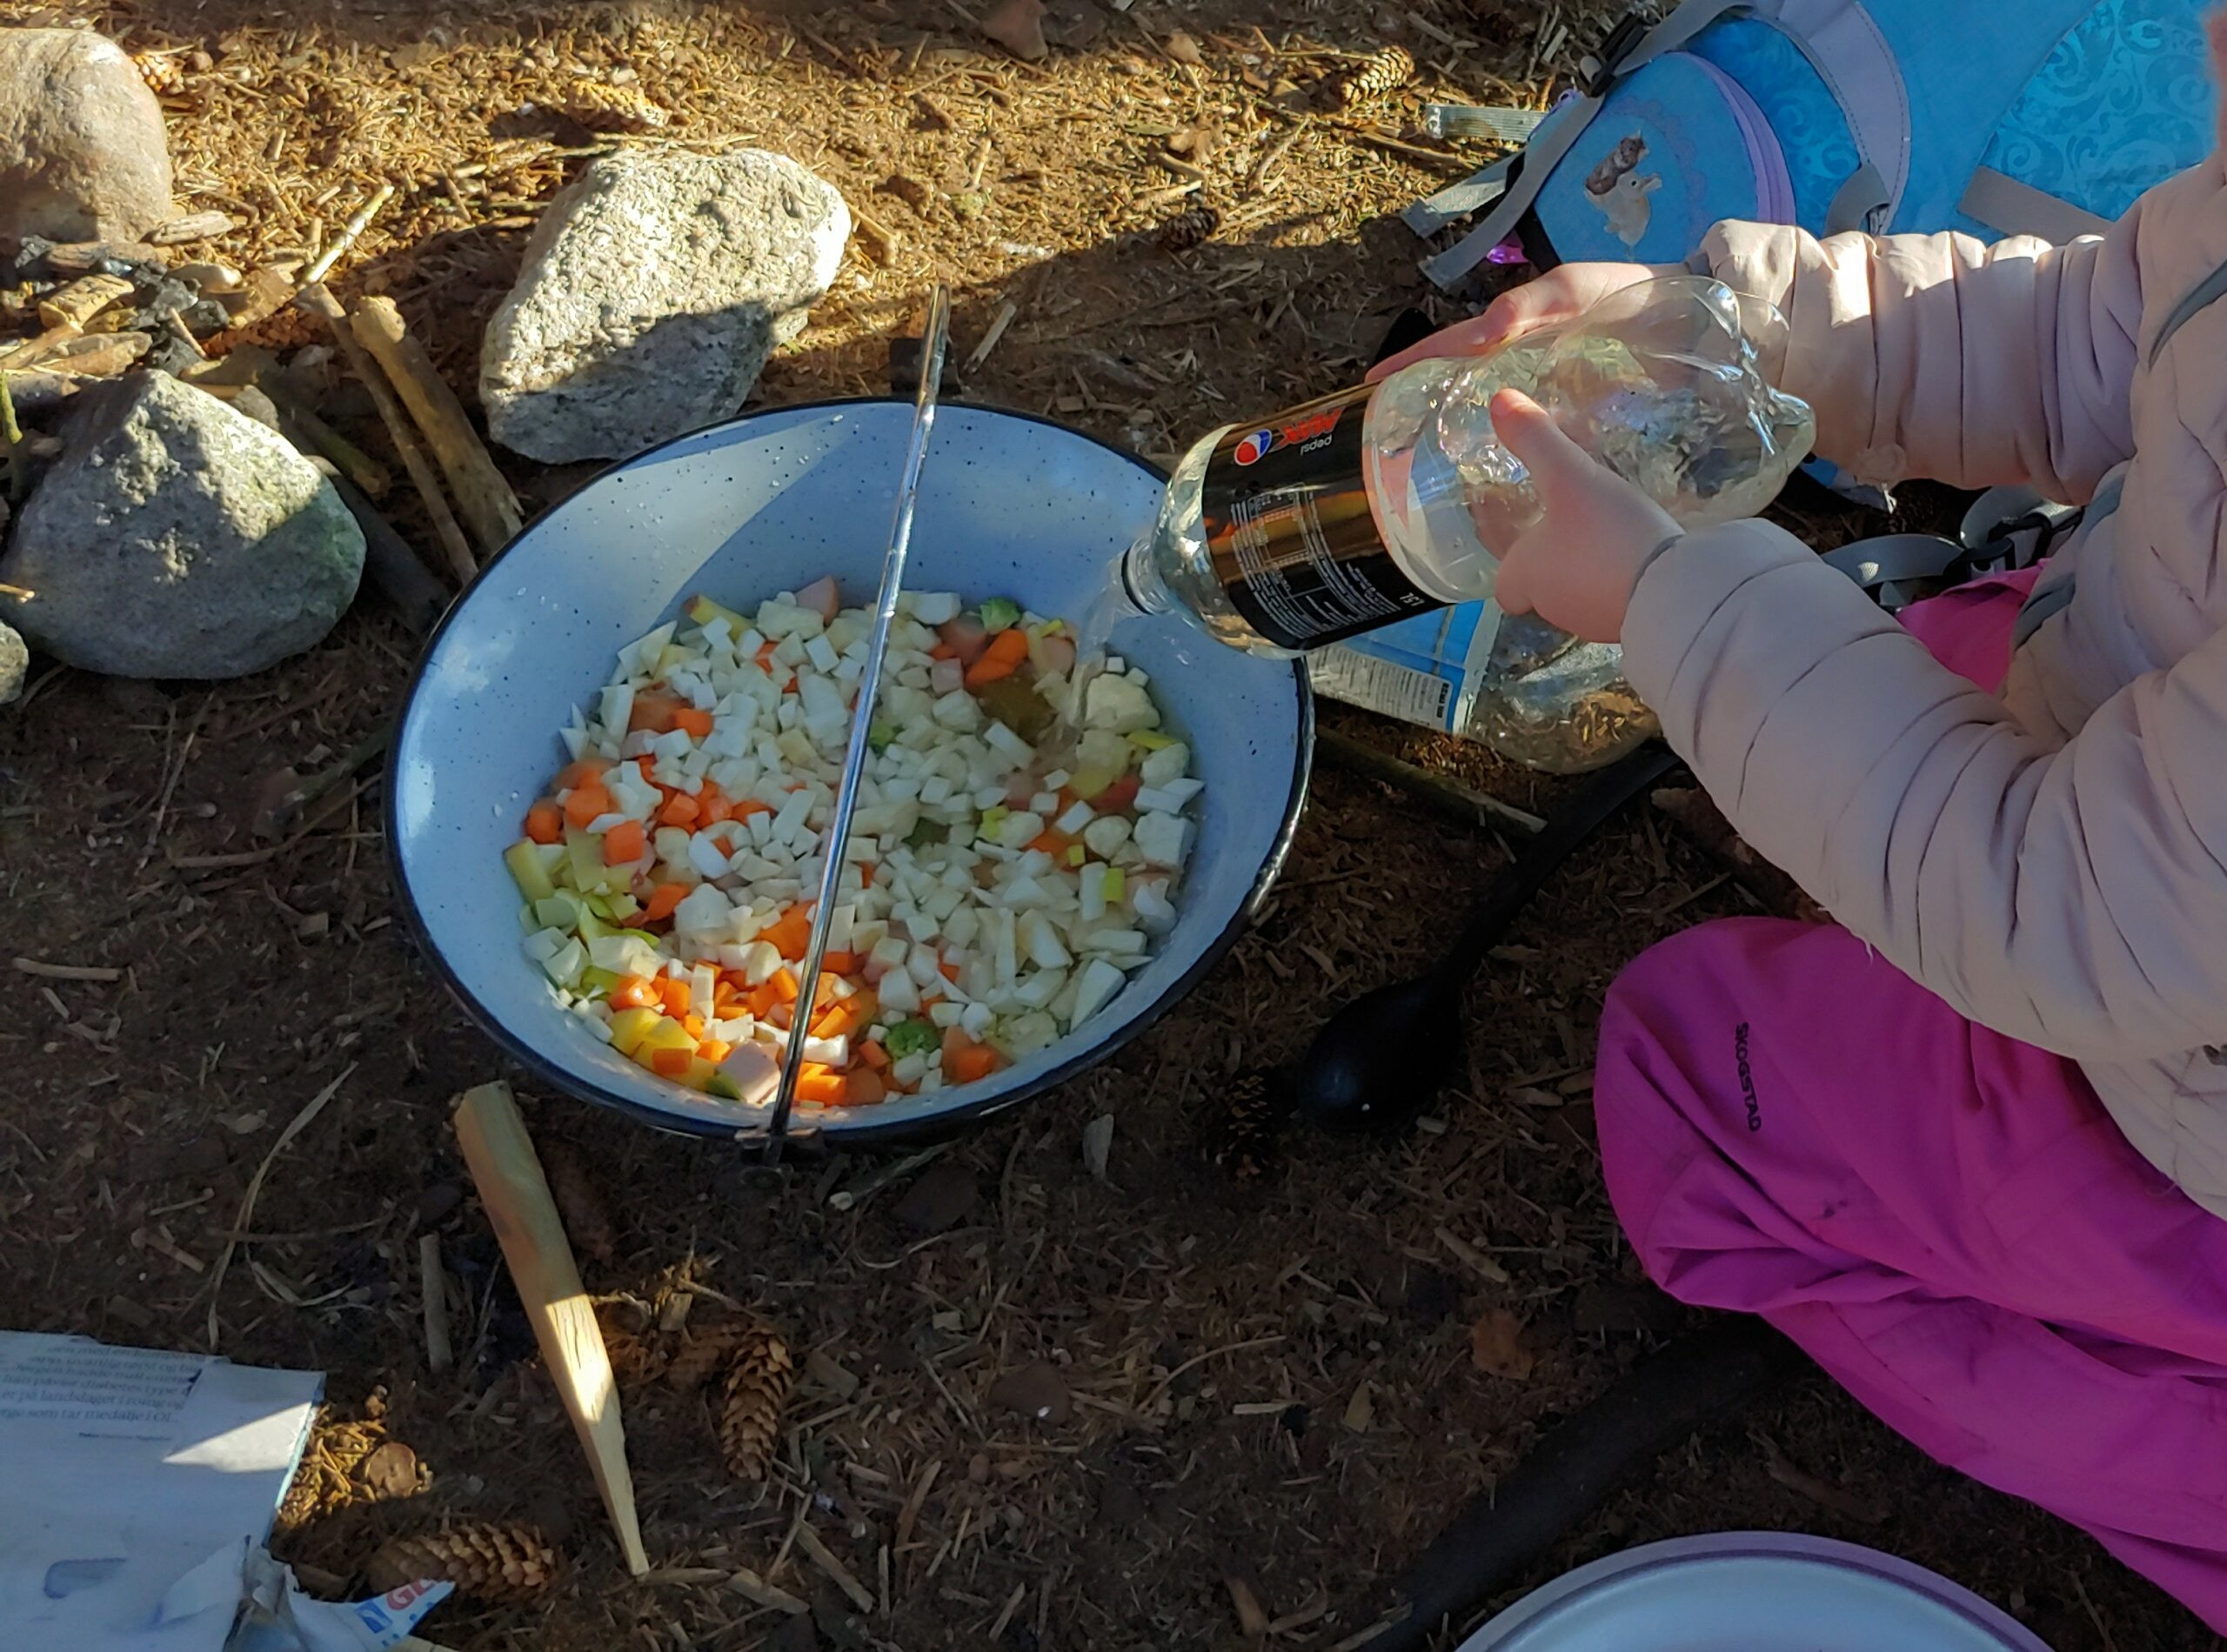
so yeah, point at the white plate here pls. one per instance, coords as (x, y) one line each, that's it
(1752, 1592)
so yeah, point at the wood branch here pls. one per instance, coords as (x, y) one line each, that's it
(395, 568)
(483, 498)
(507, 1174)
(320, 303)
(433, 1279)
(1448, 797)
(315, 435)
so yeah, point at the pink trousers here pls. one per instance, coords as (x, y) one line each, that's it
(1944, 1219)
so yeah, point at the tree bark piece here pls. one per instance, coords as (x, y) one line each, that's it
(483, 498)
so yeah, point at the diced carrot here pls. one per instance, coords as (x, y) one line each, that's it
(635, 992)
(1010, 646)
(693, 722)
(762, 998)
(748, 806)
(671, 1064)
(788, 934)
(864, 1087)
(544, 823)
(943, 650)
(840, 963)
(663, 899)
(680, 810)
(873, 1055)
(1118, 796)
(1054, 844)
(844, 1016)
(654, 711)
(624, 844)
(988, 670)
(948, 970)
(579, 773)
(784, 986)
(964, 1061)
(693, 1024)
(823, 1085)
(675, 993)
(715, 1050)
(583, 803)
(765, 656)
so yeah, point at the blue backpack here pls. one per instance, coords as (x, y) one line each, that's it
(1993, 116)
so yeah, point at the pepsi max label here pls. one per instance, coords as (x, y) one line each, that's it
(1288, 526)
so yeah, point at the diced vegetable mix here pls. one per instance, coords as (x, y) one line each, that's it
(989, 907)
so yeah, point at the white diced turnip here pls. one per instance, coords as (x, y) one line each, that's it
(1095, 986)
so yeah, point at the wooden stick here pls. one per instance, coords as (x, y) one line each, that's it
(360, 467)
(1448, 797)
(440, 1353)
(320, 303)
(483, 497)
(332, 255)
(68, 971)
(395, 568)
(504, 1169)
(11, 446)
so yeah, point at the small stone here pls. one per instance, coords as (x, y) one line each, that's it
(651, 295)
(176, 537)
(1184, 50)
(14, 658)
(945, 1196)
(1036, 1391)
(1018, 25)
(1098, 1145)
(978, 1469)
(83, 153)
(209, 277)
(438, 1202)
(1072, 25)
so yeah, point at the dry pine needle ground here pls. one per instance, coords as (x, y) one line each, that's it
(1210, 1340)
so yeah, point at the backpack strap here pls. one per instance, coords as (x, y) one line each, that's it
(2003, 203)
(1629, 45)
(2006, 528)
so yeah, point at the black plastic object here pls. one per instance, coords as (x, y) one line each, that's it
(1656, 1406)
(1383, 1058)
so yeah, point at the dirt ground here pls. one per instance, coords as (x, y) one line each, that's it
(1271, 1380)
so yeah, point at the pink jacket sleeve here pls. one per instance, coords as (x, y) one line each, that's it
(1933, 355)
(2072, 898)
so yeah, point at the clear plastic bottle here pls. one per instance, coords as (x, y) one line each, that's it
(1376, 504)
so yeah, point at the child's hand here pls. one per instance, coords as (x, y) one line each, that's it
(1563, 292)
(1577, 566)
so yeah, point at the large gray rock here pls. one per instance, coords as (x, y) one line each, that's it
(15, 664)
(176, 537)
(653, 292)
(82, 154)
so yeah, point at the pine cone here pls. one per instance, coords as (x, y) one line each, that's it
(1246, 1135)
(704, 1354)
(1187, 229)
(602, 107)
(490, 1562)
(1375, 75)
(587, 1220)
(164, 75)
(757, 1387)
